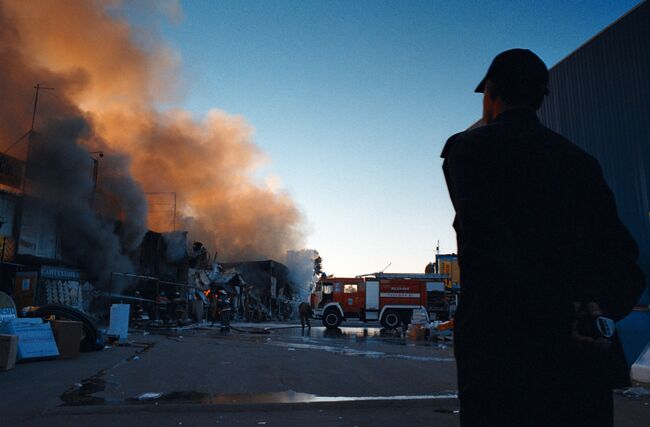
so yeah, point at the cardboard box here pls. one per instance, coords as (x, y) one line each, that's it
(24, 288)
(8, 350)
(35, 338)
(416, 332)
(67, 334)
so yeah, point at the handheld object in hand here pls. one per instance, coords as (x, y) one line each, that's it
(605, 326)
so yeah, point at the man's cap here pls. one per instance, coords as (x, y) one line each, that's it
(519, 68)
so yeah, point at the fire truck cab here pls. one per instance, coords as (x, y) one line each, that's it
(387, 298)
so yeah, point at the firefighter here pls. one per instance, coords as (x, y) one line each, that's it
(225, 309)
(305, 314)
(199, 256)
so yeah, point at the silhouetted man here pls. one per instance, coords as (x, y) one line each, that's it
(542, 254)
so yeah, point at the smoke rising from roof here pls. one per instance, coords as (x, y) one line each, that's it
(61, 196)
(109, 76)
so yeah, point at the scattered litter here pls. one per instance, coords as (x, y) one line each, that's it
(149, 396)
(635, 392)
(136, 357)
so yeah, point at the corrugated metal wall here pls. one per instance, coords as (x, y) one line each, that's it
(600, 100)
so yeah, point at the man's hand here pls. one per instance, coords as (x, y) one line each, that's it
(584, 332)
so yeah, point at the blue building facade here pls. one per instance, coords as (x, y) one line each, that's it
(600, 99)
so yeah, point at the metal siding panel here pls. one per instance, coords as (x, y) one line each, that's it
(600, 100)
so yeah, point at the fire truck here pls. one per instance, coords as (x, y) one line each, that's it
(387, 298)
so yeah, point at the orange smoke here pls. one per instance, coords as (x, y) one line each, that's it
(115, 74)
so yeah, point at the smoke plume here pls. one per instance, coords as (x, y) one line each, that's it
(301, 271)
(109, 78)
(61, 199)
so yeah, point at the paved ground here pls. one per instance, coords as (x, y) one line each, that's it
(357, 377)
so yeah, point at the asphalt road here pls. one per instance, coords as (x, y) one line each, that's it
(357, 377)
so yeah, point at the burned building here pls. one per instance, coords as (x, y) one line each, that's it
(272, 285)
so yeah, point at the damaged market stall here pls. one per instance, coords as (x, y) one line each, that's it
(208, 282)
(157, 289)
(271, 289)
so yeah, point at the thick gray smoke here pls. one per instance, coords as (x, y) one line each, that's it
(62, 204)
(119, 75)
(109, 79)
(301, 271)
(60, 184)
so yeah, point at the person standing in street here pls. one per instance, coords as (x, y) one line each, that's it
(225, 310)
(304, 309)
(544, 259)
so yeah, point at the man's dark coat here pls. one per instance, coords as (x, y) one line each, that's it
(537, 229)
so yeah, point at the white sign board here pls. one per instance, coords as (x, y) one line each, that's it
(35, 338)
(119, 322)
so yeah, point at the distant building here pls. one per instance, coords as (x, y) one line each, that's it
(446, 264)
(271, 283)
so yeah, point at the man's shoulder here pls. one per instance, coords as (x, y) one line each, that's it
(566, 148)
(467, 139)
(488, 138)
(451, 142)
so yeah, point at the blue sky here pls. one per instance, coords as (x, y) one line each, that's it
(353, 100)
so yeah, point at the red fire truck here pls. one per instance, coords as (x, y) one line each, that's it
(387, 298)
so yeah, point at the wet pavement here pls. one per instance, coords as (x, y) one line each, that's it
(108, 387)
(85, 396)
(271, 374)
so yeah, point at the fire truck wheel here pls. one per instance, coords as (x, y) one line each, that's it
(332, 319)
(391, 319)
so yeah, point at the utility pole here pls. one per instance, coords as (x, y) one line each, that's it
(31, 132)
(38, 87)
